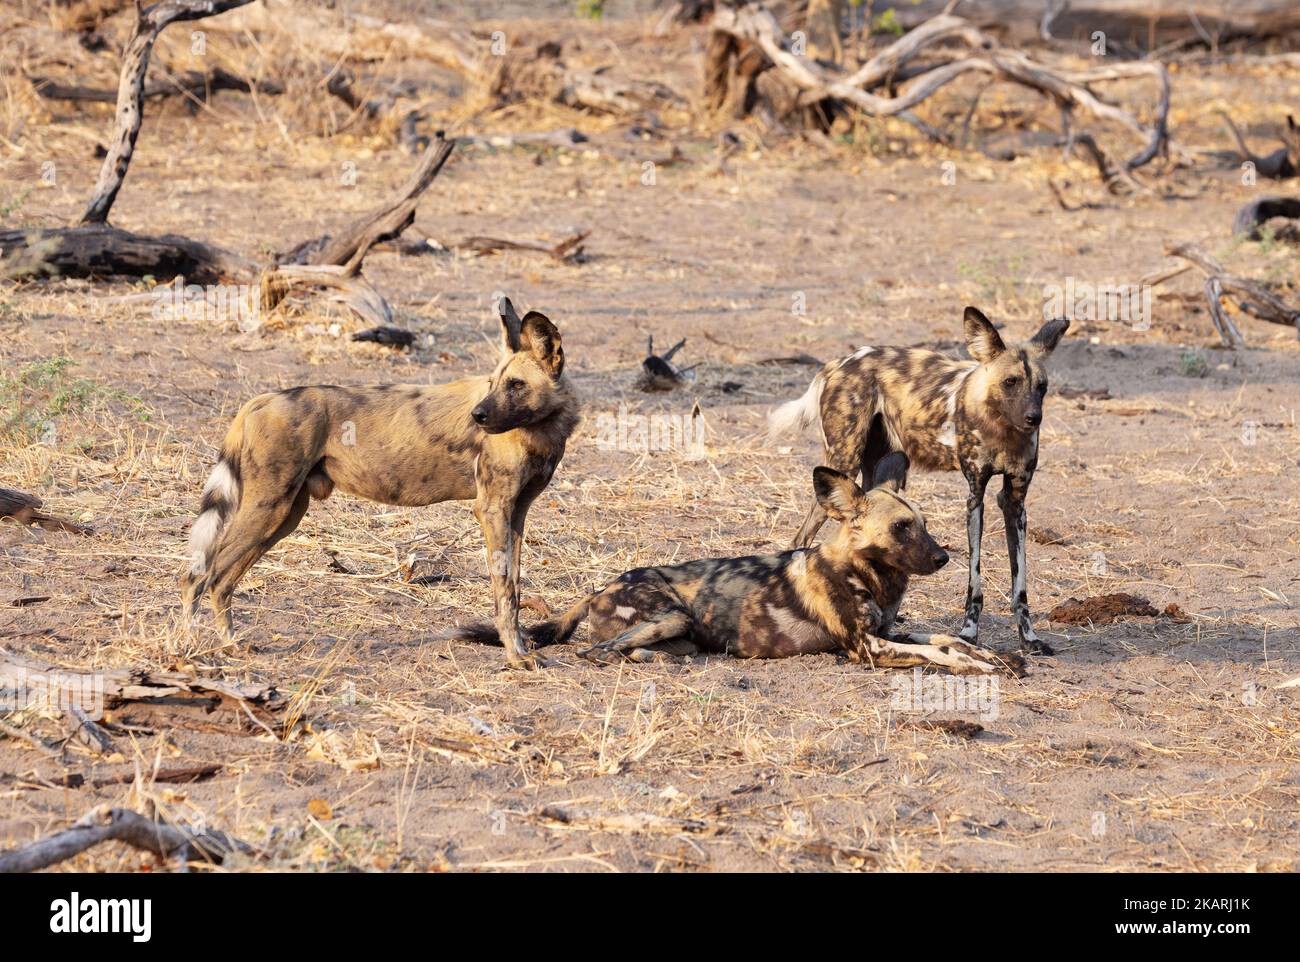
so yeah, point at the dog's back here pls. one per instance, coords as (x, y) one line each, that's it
(907, 396)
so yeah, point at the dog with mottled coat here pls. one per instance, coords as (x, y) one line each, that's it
(826, 599)
(979, 416)
(492, 439)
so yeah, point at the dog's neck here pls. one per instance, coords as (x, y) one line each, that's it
(555, 428)
(992, 428)
(849, 583)
(885, 585)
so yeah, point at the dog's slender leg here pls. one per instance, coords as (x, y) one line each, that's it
(970, 629)
(676, 651)
(943, 651)
(1012, 501)
(517, 518)
(494, 514)
(666, 627)
(249, 535)
(192, 589)
(889, 615)
(1010, 662)
(243, 542)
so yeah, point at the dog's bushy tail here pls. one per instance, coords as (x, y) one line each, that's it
(554, 631)
(219, 501)
(798, 415)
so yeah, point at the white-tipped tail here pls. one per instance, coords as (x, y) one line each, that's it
(220, 497)
(798, 415)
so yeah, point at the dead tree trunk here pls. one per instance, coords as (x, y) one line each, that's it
(130, 94)
(104, 824)
(95, 249)
(348, 248)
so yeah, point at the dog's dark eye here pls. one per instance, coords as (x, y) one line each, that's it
(514, 384)
(900, 527)
(1011, 382)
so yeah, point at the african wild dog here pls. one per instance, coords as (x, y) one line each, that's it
(980, 416)
(494, 439)
(830, 598)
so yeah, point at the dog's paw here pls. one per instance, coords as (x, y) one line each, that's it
(601, 655)
(527, 662)
(1036, 646)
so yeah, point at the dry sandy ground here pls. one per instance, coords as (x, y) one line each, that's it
(1150, 743)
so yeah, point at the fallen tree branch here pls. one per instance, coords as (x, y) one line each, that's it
(1262, 209)
(753, 26)
(1250, 296)
(1115, 178)
(104, 824)
(497, 79)
(385, 223)
(568, 250)
(194, 84)
(84, 729)
(25, 508)
(347, 286)
(100, 250)
(40, 744)
(27, 683)
(566, 137)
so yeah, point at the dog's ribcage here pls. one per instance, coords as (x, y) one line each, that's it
(915, 392)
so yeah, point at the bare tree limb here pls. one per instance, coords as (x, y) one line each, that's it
(753, 25)
(104, 824)
(131, 92)
(100, 250)
(1251, 297)
(190, 83)
(384, 223)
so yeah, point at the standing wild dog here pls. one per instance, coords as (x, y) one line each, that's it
(981, 417)
(494, 439)
(830, 598)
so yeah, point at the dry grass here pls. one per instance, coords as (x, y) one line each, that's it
(403, 753)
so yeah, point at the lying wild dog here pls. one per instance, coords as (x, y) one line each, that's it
(494, 439)
(980, 416)
(830, 598)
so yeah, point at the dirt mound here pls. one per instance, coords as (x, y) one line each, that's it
(1102, 609)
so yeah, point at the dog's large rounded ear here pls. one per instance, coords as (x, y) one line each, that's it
(510, 325)
(982, 338)
(1050, 334)
(836, 493)
(891, 472)
(542, 339)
